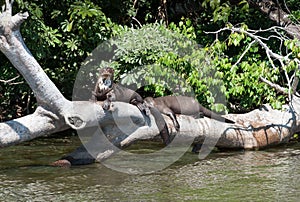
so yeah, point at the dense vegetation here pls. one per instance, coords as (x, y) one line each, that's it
(61, 34)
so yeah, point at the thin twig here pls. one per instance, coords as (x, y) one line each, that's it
(258, 39)
(292, 81)
(277, 87)
(137, 21)
(243, 54)
(10, 81)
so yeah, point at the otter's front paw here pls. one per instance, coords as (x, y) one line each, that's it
(106, 105)
(111, 108)
(147, 111)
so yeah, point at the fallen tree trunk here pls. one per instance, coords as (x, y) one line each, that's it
(101, 131)
(257, 129)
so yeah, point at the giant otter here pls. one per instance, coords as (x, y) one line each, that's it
(171, 105)
(106, 90)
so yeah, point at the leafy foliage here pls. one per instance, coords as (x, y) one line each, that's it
(168, 62)
(61, 34)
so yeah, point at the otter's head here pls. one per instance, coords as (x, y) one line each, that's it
(105, 80)
(149, 101)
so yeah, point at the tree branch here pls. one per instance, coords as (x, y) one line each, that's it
(22, 129)
(10, 81)
(243, 54)
(278, 15)
(125, 124)
(13, 46)
(275, 86)
(260, 128)
(283, 60)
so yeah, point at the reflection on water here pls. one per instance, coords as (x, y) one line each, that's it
(270, 175)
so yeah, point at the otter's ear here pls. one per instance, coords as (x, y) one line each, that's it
(110, 70)
(101, 70)
(148, 101)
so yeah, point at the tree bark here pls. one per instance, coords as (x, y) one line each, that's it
(258, 129)
(278, 15)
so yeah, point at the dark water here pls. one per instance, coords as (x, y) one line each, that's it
(270, 175)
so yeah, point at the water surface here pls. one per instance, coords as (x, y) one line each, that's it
(269, 175)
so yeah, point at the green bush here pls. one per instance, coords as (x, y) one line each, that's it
(61, 34)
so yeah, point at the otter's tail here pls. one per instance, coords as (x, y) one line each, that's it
(161, 124)
(212, 115)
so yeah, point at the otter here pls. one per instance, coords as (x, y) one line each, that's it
(171, 105)
(106, 90)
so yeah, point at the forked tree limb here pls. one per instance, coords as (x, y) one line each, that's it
(257, 129)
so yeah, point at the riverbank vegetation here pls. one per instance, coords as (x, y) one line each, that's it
(60, 35)
(247, 50)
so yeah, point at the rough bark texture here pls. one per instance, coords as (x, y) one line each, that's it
(55, 112)
(258, 129)
(125, 124)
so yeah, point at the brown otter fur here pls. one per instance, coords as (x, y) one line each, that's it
(106, 90)
(171, 105)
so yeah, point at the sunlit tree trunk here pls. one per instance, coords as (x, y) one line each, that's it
(257, 129)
